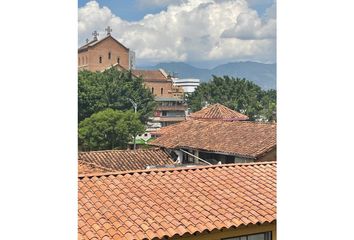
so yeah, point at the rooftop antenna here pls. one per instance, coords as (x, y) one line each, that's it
(108, 30)
(87, 40)
(95, 34)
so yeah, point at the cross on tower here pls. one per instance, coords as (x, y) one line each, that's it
(108, 30)
(95, 34)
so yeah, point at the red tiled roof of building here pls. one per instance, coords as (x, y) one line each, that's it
(166, 129)
(126, 160)
(218, 112)
(162, 203)
(95, 42)
(90, 168)
(150, 75)
(239, 138)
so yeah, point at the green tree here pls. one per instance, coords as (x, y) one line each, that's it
(112, 89)
(238, 94)
(109, 129)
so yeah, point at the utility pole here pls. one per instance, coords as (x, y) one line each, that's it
(135, 108)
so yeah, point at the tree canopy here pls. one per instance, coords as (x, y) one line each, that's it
(238, 94)
(112, 89)
(109, 129)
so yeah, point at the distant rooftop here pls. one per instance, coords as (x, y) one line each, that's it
(151, 75)
(239, 138)
(122, 160)
(218, 112)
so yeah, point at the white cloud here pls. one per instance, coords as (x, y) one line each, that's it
(250, 26)
(157, 3)
(190, 31)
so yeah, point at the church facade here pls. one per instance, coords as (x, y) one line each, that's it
(101, 54)
(98, 55)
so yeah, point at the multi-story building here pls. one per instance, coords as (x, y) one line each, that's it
(170, 103)
(188, 84)
(170, 111)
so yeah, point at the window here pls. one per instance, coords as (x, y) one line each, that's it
(258, 236)
(86, 60)
(118, 60)
(109, 55)
(79, 62)
(100, 59)
(161, 91)
(152, 90)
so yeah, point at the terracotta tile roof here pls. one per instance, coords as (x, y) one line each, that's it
(218, 112)
(150, 75)
(125, 160)
(116, 65)
(239, 138)
(90, 168)
(166, 129)
(152, 204)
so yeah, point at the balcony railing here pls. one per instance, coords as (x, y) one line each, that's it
(171, 108)
(169, 119)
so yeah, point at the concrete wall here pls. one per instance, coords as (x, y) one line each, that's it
(240, 231)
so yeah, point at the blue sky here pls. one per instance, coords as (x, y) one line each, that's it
(129, 10)
(201, 32)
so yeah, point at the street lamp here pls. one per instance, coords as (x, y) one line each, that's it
(135, 105)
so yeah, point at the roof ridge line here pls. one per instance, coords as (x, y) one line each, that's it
(120, 150)
(241, 122)
(81, 176)
(95, 165)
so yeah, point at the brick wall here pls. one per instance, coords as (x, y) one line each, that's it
(90, 59)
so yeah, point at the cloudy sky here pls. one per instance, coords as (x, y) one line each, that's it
(201, 32)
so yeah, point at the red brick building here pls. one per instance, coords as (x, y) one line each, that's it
(100, 54)
(170, 104)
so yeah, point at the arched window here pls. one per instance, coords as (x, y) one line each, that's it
(161, 91)
(118, 60)
(79, 62)
(100, 59)
(109, 55)
(152, 90)
(83, 60)
(86, 60)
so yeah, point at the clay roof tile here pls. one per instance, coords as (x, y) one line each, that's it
(121, 160)
(191, 215)
(218, 112)
(239, 138)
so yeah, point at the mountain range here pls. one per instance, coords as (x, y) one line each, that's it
(264, 75)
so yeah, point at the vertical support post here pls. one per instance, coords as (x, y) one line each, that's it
(196, 154)
(135, 107)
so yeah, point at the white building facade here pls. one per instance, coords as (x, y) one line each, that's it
(188, 84)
